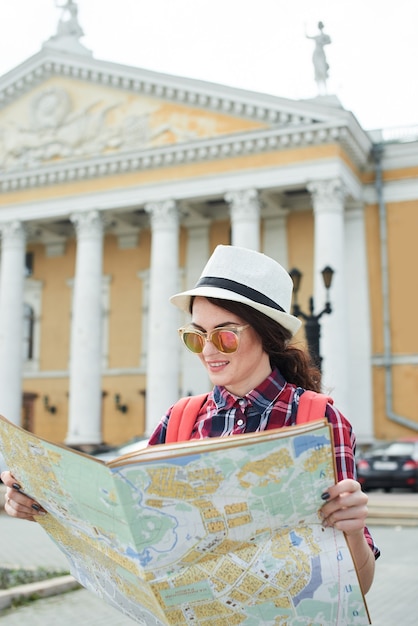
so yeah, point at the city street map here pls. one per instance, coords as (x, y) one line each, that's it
(214, 532)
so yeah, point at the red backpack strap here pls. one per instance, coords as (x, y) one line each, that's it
(312, 406)
(182, 418)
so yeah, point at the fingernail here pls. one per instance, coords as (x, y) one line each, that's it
(38, 511)
(16, 486)
(325, 495)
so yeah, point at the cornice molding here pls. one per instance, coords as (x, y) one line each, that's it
(394, 191)
(240, 144)
(296, 175)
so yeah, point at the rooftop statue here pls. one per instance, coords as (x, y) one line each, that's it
(68, 24)
(319, 59)
(69, 31)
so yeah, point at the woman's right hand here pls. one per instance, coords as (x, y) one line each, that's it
(16, 503)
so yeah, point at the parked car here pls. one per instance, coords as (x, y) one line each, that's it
(390, 465)
(134, 444)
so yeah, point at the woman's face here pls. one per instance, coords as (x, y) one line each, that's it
(241, 371)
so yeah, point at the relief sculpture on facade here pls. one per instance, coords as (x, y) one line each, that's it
(56, 129)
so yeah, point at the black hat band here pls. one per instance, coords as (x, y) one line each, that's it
(239, 288)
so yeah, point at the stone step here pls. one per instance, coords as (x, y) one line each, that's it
(393, 508)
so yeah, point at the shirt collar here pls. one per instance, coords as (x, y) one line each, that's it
(265, 393)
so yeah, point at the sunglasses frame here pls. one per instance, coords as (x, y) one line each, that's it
(207, 336)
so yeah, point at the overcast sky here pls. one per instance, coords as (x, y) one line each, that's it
(259, 45)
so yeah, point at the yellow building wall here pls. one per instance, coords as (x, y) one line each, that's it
(220, 234)
(54, 272)
(118, 427)
(125, 303)
(402, 226)
(402, 249)
(405, 384)
(48, 425)
(300, 227)
(124, 337)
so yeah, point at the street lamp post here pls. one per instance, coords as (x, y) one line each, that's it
(312, 326)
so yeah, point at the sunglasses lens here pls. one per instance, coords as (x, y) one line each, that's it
(225, 341)
(193, 341)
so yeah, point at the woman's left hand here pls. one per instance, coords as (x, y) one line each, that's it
(345, 507)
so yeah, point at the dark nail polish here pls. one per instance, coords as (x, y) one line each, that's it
(325, 495)
(16, 486)
(36, 507)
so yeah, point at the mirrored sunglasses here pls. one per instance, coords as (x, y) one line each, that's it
(226, 339)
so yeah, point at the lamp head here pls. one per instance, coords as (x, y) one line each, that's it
(327, 274)
(296, 276)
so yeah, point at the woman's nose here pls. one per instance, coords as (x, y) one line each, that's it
(208, 347)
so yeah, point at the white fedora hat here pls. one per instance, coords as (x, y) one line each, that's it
(246, 276)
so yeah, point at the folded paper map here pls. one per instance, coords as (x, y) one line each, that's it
(214, 532)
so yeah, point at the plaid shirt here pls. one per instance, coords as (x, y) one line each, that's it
(273, 404)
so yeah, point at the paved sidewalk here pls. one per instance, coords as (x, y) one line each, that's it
(392, 600)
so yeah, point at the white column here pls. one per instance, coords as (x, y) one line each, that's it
(359, 324)
(328, 203)
(245, 218)
(164, 319)
(12, 280)
(85, 401)
(275, 235)
(194, 377)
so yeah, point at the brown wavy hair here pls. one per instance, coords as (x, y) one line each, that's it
(295, 364)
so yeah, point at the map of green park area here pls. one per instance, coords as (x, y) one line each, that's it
(217, 532)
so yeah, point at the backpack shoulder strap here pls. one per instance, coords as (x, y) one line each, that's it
(182, 418)
(312, 406)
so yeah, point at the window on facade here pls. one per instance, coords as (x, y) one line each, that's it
(28, 334)
(28, 264)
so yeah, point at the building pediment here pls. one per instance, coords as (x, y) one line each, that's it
(69, 119)
(62, 114)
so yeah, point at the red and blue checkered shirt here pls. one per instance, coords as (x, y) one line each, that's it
(273, 404)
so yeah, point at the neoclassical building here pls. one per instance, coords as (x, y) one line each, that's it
(116, 184)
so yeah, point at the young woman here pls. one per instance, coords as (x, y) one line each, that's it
(241, 331)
